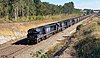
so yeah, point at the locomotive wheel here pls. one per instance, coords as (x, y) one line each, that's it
(45, 37)
(53, 33)
(39, 40)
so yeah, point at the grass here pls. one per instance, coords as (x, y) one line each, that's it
(21, 26)
(9, 29)
(88, 40)
(38, 18)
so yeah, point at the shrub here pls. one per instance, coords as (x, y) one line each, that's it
(79, 27)
(39, 54)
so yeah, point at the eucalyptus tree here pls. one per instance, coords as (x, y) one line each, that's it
(25, 8)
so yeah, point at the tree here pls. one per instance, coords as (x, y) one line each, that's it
(26, 8)
(68, 7)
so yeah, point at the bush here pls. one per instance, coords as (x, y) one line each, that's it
(88, 48)
(39, 54)
(79, 27)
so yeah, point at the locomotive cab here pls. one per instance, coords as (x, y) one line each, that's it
(32, 34)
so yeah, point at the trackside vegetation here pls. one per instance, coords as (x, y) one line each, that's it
(88, 44)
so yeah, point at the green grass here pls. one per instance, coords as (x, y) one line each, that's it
(38, 18)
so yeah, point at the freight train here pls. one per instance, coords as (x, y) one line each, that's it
(43, 32)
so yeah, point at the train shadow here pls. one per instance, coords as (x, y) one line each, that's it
(24, 41)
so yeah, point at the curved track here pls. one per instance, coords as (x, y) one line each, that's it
(12, 50)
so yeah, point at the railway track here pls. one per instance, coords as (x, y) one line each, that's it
(60, 52)
(3, 47)
(12, 50)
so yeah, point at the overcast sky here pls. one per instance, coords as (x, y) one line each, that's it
(82, 4)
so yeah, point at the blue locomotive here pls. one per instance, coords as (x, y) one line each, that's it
(43, 32)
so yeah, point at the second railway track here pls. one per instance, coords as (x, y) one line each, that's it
(13, 50)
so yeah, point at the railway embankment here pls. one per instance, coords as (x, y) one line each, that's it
(69, 49)
(45, 45)
(86, 41)
(64, 49)
(11, 32)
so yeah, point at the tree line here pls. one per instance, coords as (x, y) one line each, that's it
(24, 8)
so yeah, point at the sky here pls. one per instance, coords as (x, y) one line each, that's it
(80, 4)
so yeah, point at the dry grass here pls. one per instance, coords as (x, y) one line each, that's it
(86, 38)
(9, 29)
